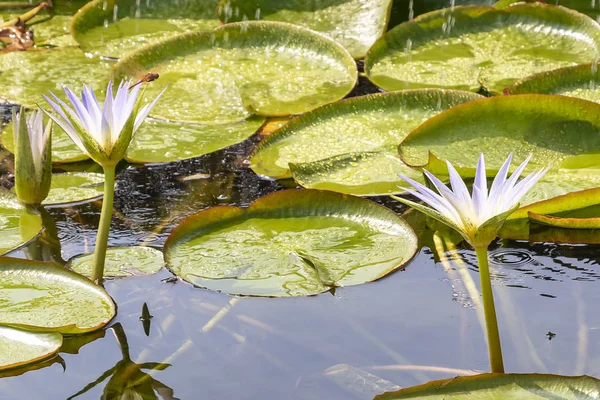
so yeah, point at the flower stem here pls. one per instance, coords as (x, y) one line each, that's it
(104, 227)
(491, 322)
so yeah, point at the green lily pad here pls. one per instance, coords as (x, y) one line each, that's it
(162, 141)
(558, 131)
(560, 182)
(18, 224)
(356, 24)
(502, 387)
(568, 223)
(64, 150)
(121, 262)
(72, 187)
(266, 68)
(481, 47)
(590, 8)
(361, 174)
(581, 81)
(349, 146)
(115, 27)
(26, 75)
(43, 296)
(21, 347)
(290, 243)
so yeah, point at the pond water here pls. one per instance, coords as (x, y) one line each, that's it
(415, 325)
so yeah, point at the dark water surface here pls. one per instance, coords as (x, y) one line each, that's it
(413, 326)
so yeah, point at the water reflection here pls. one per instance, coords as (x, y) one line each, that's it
(127, 380)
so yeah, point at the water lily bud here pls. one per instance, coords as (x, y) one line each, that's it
(33, 159)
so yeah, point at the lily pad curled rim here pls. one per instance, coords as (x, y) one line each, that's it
(127, 65)
(214, 218)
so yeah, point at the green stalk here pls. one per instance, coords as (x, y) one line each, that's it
(489, 310)
(104, 227)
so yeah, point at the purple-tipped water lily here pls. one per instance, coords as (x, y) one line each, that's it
(102, 132)
(33, 159)
(477, 216)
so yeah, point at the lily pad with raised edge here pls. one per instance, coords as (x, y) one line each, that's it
(481, 47)
(26, 75)
(502, 387)
(581, 81)
(361, 174)
(122, 262)
(115, 27)
(240, 69)
(45, 297)
(162, 141)
(18, 224)
(356, 24)
(19, 347)
(64, 150)
(349, 146)
(588, 7)
(568, 223)
(74, 187)
(290, 243)
(557, 131)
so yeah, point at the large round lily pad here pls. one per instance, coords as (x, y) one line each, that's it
(122, 262)
(349, 146)
(64, 150)
(46, 297)
(290, 243)
(72, 187)
(115, 27)
(19, 347)
(582, 81)
(267, 68)
(162, 141)
(558, 131)
(502, 387)
(588, 7)
(356, 24)
(26, 75)
(473, 47)
(18, 224)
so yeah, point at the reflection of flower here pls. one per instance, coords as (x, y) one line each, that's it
(33, 159)
(127, 381)
(104, 133)
(477, 217)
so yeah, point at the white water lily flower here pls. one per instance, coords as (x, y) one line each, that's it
(33, 158)
(478, 216)
(104, 133)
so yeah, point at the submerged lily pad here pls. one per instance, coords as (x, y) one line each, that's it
(43, 296)
(18, 224)
(582, 81)
(26, 75)
(19, 347)
(290, 243)
(72, 187)
(502, 387)
(162, 141)
(349, 146)
(115, 27)
(356, 24)
(64, 150)
(122, 261)
(266, 68)
(474, 47)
